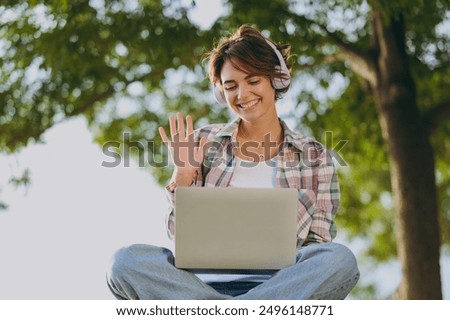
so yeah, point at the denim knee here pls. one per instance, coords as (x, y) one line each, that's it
(127, 259)
(338, 269)
(335, 258)
(344, 260)
(118, 263)
(123, 259)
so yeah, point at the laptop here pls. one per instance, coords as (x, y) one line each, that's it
(235, 230)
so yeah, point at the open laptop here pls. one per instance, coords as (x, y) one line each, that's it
(235, 230)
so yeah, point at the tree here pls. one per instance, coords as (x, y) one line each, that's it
(392, 57)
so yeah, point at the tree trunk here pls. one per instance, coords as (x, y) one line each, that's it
(412, 165)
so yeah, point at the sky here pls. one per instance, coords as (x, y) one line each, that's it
(57, 237)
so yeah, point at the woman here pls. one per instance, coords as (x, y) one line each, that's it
(249, 74)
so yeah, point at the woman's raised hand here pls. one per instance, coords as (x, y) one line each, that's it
(186, 156)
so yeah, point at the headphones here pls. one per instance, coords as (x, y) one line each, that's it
(280, 82)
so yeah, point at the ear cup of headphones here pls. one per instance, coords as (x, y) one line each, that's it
(284, 79)
(218, 95)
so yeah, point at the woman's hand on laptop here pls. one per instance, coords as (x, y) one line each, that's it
(186, 156)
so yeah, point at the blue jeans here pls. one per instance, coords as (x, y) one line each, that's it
(323, 271)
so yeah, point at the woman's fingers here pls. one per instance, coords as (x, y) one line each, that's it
(163, 134)
(190, 125)
(181, 127)
(173, 126)
(177, 126)
(180, 131)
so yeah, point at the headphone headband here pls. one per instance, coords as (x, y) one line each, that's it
(278, 83)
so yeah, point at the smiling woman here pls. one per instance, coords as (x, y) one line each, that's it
(257, 150)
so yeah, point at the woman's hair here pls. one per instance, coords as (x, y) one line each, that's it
(247, 49)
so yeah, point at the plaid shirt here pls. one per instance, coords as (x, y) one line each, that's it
(302, 163)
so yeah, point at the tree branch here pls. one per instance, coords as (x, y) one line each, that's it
(360, 62)
(90, 102)
(102, 96)
(436, 114)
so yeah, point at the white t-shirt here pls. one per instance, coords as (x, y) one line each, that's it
(249, 174)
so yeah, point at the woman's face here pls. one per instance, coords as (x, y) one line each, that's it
(250, 96)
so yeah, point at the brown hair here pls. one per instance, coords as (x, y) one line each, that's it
(247, 49)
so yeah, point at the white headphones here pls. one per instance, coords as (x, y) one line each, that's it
(280, 82)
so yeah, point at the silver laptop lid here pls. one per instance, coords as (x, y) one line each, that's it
(235, 228)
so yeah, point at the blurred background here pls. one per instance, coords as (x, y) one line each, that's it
(85, 85)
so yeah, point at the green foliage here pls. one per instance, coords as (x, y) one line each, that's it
(3, 205)
(23, 180)
(78, 58)
(364, 292)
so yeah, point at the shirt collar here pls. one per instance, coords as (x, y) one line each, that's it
(290, 137)
(230, 130)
